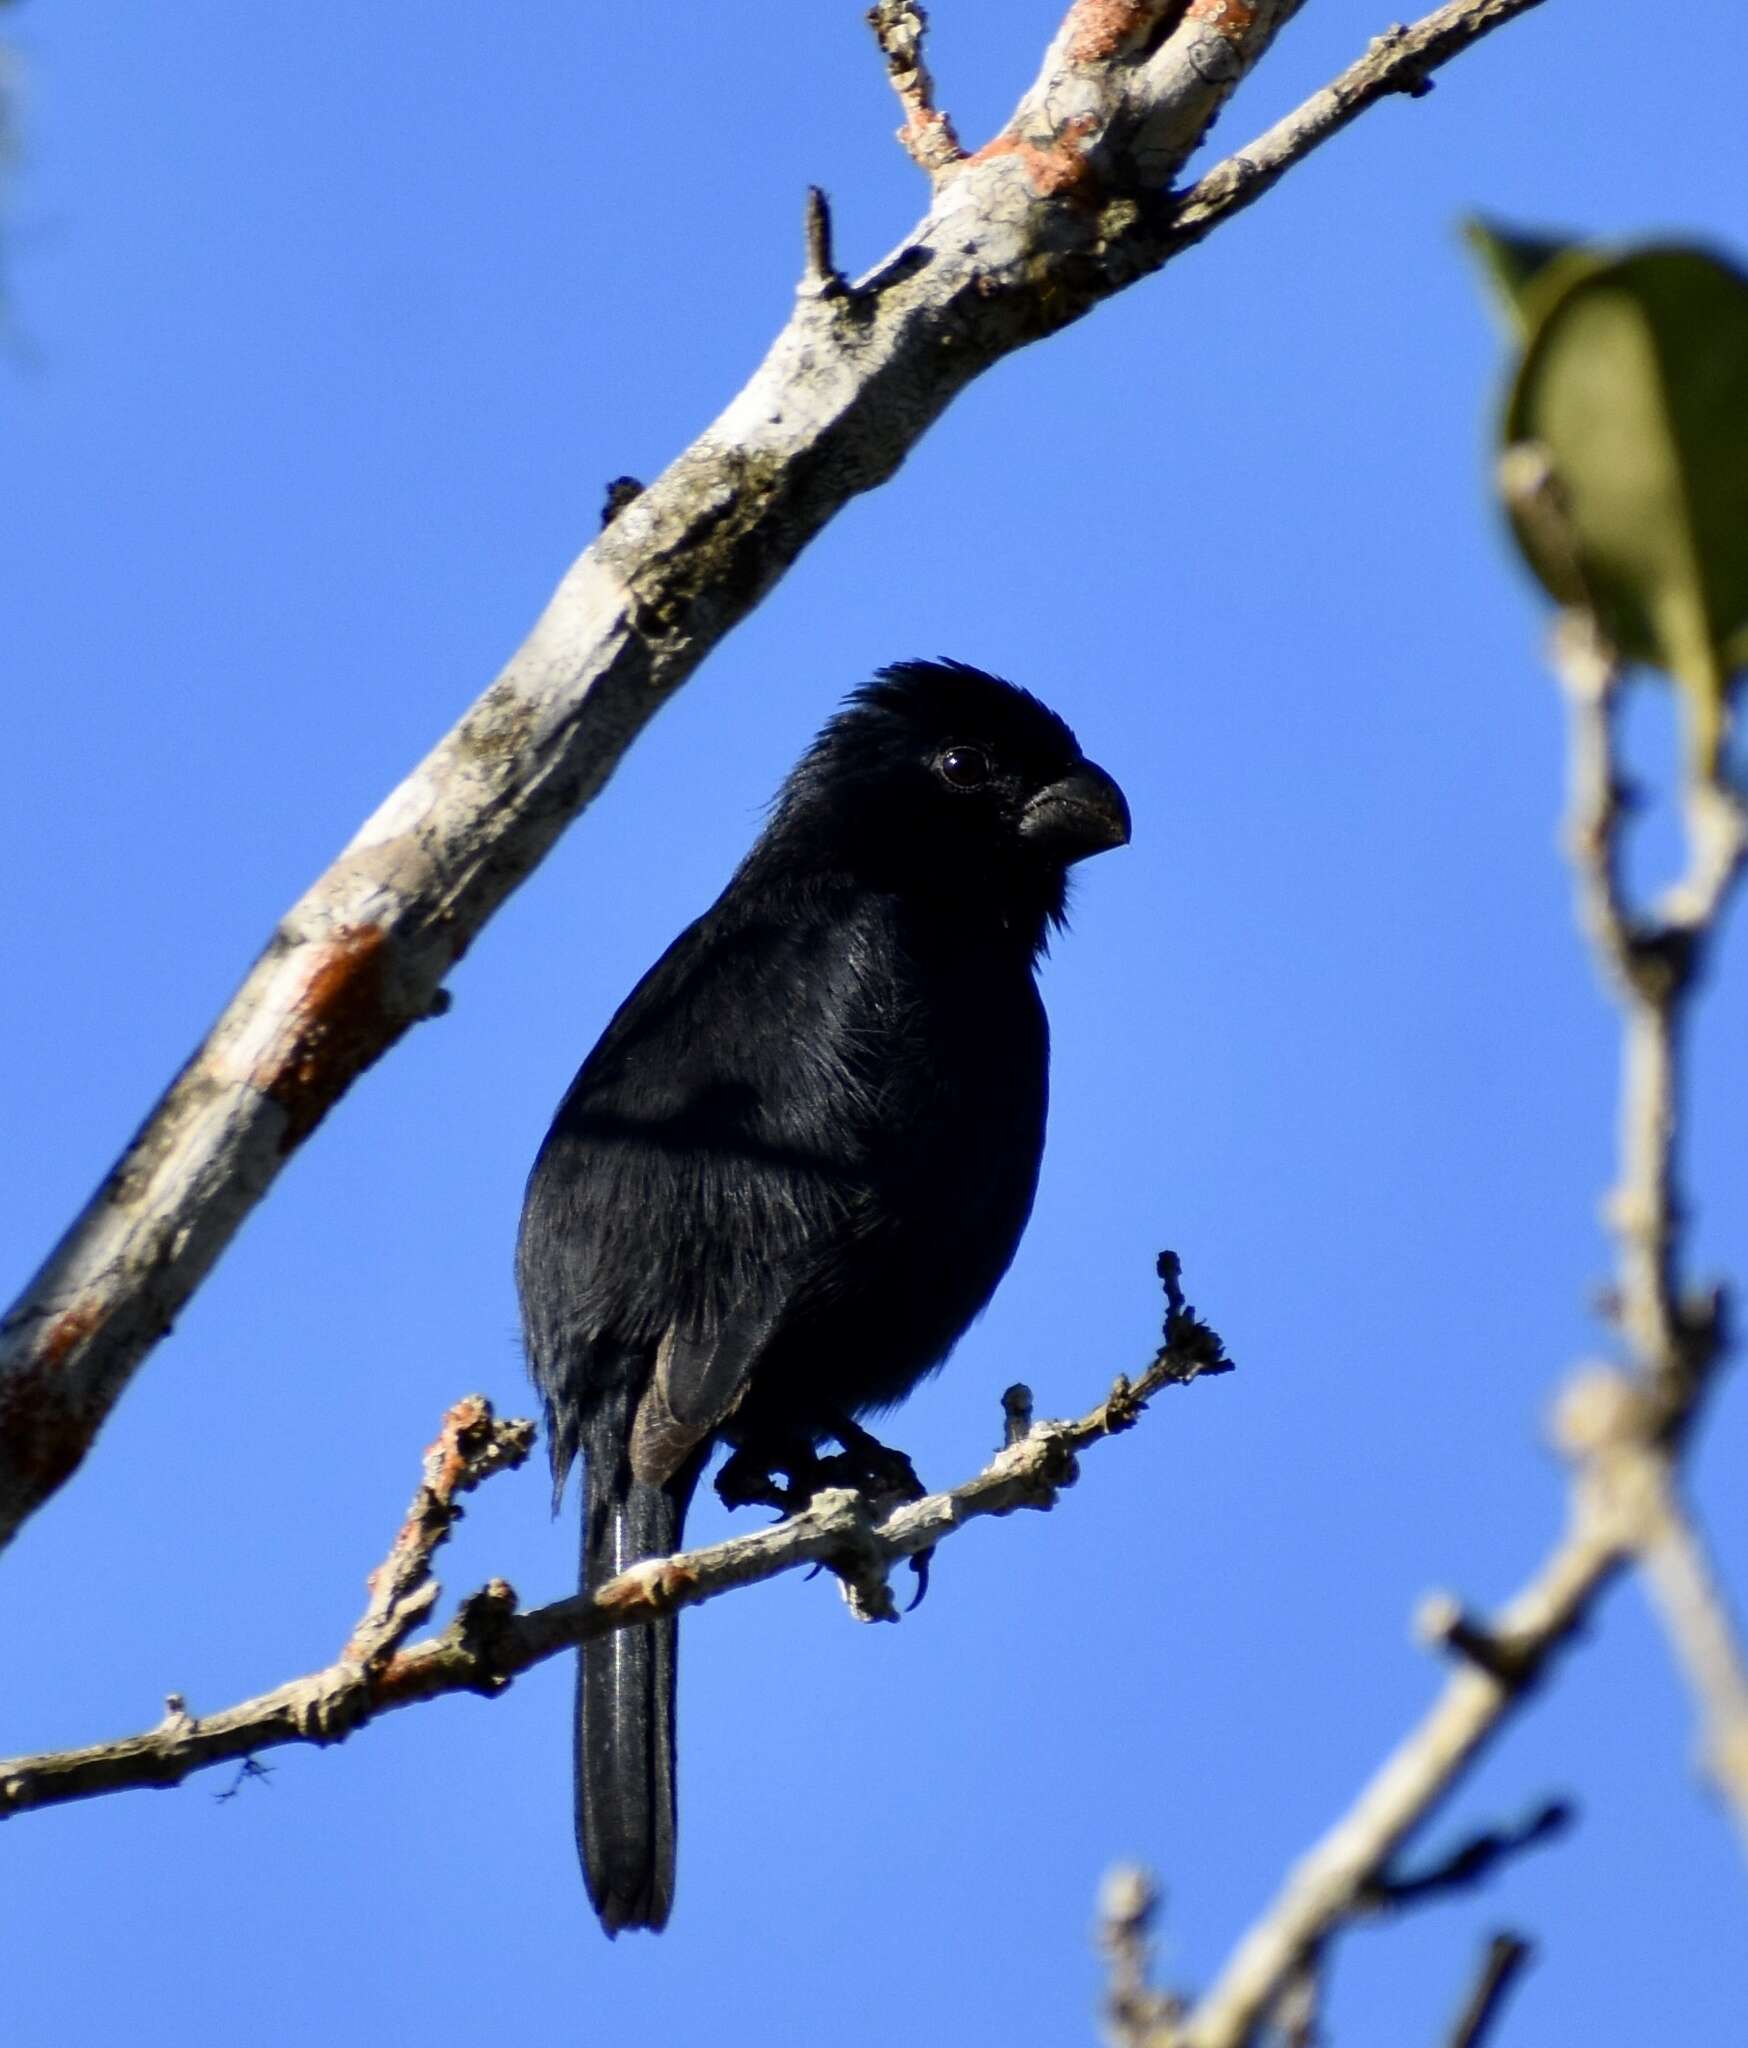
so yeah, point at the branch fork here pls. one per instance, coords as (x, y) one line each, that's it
(1066, 207)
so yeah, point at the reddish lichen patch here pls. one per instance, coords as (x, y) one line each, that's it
(446, 1458)
(68, 1331)
(406, 1675)
(340, 1024)
(1100, 28)
(1231, 19)
(1055, 168)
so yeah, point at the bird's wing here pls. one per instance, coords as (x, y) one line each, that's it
(696, 1383)
(708, 1158)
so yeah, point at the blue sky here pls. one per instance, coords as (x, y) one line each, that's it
(324, 328)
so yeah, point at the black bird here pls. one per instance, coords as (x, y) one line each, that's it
(798, 1161)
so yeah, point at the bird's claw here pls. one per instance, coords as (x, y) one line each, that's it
(886, 1479)
(919, 1564)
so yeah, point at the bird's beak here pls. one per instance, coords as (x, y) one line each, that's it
(1083, 814)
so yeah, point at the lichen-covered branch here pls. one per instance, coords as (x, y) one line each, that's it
(1062, 209)
(492, 1639)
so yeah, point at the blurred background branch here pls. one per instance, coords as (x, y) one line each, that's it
(1625, 477)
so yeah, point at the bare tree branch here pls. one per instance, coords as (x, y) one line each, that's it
(1290, 2009)
(1653, 968)
(1330, 1885)
(1622, 1430)
(899, 27)
(1400, 61)
(1060, 211)
(491, 1640)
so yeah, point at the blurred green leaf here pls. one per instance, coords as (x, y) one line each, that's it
(1633, 388)
(1527, 272)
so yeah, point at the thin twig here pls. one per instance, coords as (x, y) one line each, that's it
(1447, 1624)
(1598, 799)
(1332, 1883)
(471, 1446)
(1473, 1861)
(1297, 2018)
(1697, 1619)
(1400, 61)
(1128, 1904)
(1648, 968)
(820, 276)
(1653, 965)
(927, 134)
(491, 1640)
(1506, 1955)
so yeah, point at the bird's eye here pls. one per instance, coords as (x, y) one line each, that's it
(964, 767)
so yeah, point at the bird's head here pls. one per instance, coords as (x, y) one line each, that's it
(954, 786)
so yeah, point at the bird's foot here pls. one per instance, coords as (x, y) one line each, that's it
(749, 1478)
(885, 1478)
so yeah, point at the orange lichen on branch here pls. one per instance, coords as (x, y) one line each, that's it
(1100, 29)
(1056, 167)
(448, 1458)
(339, 1025)
(1232, 20)
(929, 137)
(68, 1331)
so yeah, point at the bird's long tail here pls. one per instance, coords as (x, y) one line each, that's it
(625, 1704)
